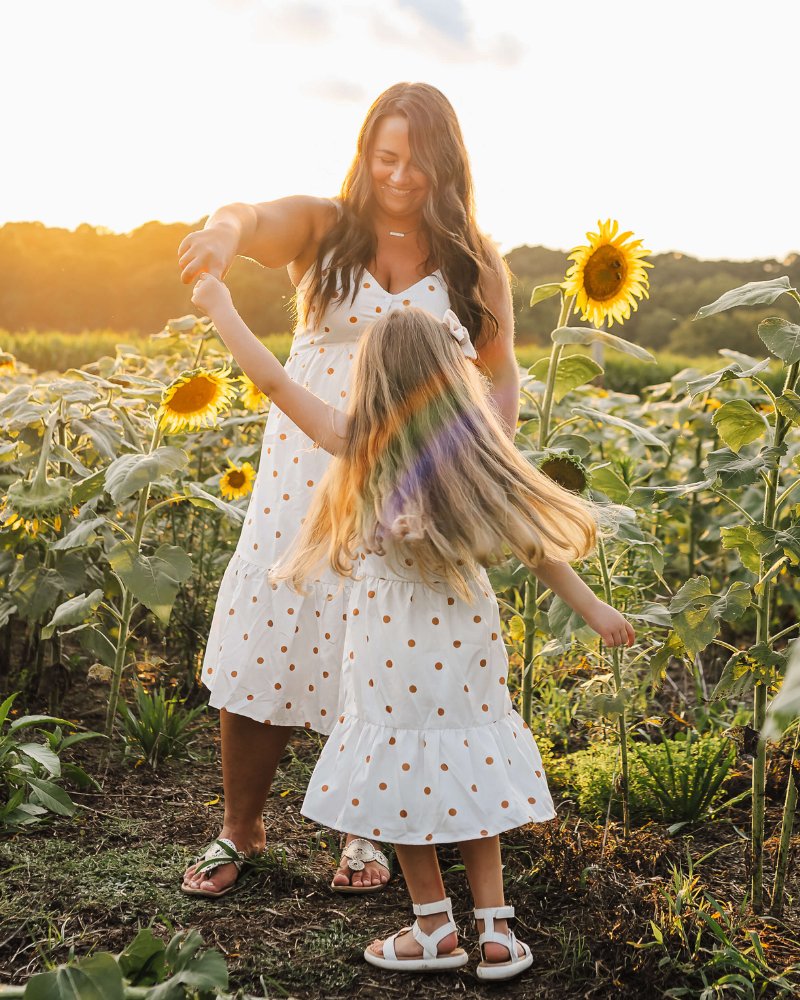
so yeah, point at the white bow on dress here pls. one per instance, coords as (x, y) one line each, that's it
(460, 332)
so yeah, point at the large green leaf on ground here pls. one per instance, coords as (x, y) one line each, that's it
(640, 433)
(781, 337)
(153, 580)
(130, 473)
(754, 293)
(51, 796)
(696, 612)
(738, 423)
(586, 335)
(95, 978)
(72, 612)
(572, 371)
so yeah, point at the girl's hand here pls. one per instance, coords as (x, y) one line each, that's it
(211, 294)
(211, 250)
(613, 628)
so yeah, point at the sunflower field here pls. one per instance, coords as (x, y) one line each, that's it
(672, 865)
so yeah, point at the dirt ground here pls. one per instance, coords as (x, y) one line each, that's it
(584, 896)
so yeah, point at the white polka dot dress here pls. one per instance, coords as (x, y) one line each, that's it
(274, 655)
(427, 747)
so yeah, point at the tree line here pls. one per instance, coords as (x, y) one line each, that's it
(91, 279)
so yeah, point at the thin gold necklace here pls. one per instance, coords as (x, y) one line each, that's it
(408, 232)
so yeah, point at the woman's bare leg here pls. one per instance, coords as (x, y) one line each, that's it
(251, 752)
(420, 867)
(485, 874)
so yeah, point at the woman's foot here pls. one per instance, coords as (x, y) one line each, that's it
(373, 873)
(250, 841)
(407, 946)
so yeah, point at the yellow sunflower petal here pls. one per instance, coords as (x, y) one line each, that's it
(196, 399)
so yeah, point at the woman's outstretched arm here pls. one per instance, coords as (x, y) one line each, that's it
(322, 423)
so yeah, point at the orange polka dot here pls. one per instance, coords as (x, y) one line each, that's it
(378, 309)
(474, 788)
(284, 649)
(288, 704)
(368, 758)
(532, 800)
(291, 666)
(389, 663)
(355, 802)
(354, 319)
(451, 601)
(490, 760)
(426, 790)
(429, 836)
(267, 510)
(277, 686)
(310, 482)
(376, 832)
(330, 371)
(277, 534)
(413, 688)
(245, 637)
(411, 642)
(502, 680)
(444, 767)
(255, 545)
(260, 659)
(323, 711)
(504, 804)
(282, 437)
(231, 612)
(406, 302)
(438, 666)
(457, 643)
(466, 688)
(434, 621)
(387, 618)
(403, 813)
(389, 709)
(392, 741)
(476, 619)
(537, 773)
(431, 288)
(370, 593)
(452, 812)
(367, 285)
(484, 833)
(494, 636)
(484, 708)
(285, 496)
(383, 786)
(483, 663)
(406, 767)
(355, 611)
(250, 697)
(440, 711)
(254, 599)
(234, 673)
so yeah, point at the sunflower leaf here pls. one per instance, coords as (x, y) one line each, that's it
(542, 292)
(785, 706)
(71, 612)
(788, 404)
(781, 337)
(733, 472)
(199, 498)
(588, 335)
(738, 423)
(153, 580)
(572, 371)
(130, 473)
(640, 433)
(754, 293)
(734, 371)
(696, 612)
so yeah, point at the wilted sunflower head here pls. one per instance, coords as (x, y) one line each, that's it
(8, 364)
(237, 481)
(608, 275)
(40, 497)
(195, 399)
(565, 469)
(252, 397)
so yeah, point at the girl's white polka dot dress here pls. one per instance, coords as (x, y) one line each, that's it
(427, 747)
(274, 655)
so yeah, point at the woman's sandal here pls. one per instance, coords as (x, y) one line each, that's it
(359, 853)
(431, 960)
(516, 963)
(221, 852)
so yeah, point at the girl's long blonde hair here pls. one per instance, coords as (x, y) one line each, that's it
(427, 463)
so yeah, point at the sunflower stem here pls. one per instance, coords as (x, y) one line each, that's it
(787, 823)
(552, 369)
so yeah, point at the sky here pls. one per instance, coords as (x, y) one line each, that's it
(677, 118)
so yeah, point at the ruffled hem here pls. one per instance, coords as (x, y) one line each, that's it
(275, 655)
(408, 786)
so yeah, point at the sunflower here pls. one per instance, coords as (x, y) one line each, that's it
(565, 469)
(608, 275)
(8, 364)
(237, 481)
(195, 399)
(252, 397)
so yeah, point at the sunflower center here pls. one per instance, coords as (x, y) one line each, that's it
(604, 273)
(193, 396)
(236, 478)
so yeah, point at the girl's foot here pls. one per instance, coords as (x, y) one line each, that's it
(250, 841)
(407, 946)
(372, 874)
(502, 956)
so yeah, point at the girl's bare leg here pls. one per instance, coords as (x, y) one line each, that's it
(485, 874)
(251, 752)
(420, 867)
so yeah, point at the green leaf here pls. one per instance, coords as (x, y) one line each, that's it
(153, 580)
(738, 423)
(75, 610)
(52, 797)
(785, 706)
(562, 620)
(607, 481)
(130, 473)
(586, 335)
(640, 433)
(42, 755)
(781, 337)
(788, 404)
(95, 978)
(734, 371)
(696, 612)
(754, 293)
(732, 472)
(82, 534)
(576, 443)
(142, 962)
(736, 537)
(542, 292)
(199, 498)
(572, 371)
(88, 488)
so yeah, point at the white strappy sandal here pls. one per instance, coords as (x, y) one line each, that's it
(360, 852)
(431, 960)
(221, 852)
(516, 963)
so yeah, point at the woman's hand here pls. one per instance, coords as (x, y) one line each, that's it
(211, 294)
(211, 250)
(613, 628)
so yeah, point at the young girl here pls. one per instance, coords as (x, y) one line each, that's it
(424, 491)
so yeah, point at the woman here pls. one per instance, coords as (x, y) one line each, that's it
(402, 233)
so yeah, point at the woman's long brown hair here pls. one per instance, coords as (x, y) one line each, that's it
(457, 247)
